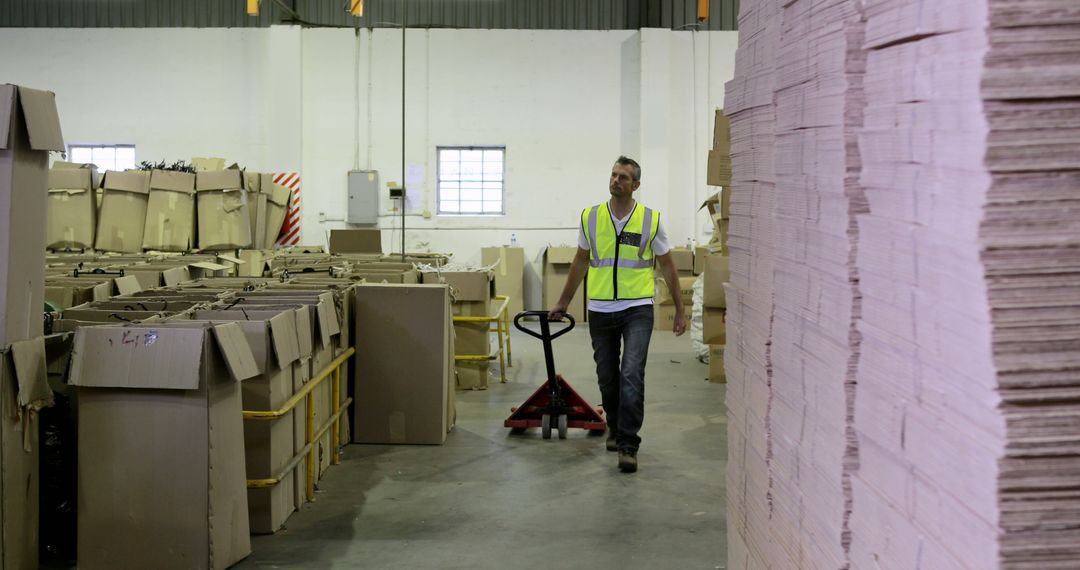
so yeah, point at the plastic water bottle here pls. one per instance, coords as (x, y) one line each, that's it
(513, 240)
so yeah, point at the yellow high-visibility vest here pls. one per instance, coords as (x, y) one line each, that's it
(620, 264)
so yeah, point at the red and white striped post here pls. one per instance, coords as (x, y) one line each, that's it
(290, 229)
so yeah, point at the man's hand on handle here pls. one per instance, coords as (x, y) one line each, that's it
(557, 312)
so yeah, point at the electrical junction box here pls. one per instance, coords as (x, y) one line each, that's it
(363, 197)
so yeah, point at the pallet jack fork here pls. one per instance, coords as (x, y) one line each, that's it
(555, 403)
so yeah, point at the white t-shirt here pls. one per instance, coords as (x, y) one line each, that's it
(660, 246)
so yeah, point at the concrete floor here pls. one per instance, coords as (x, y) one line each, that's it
(488, 499)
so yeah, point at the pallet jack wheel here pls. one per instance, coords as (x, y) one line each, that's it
(545, 426)
(563, 426)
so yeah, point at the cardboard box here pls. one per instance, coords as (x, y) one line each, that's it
(473, 375)
(122, 219)
(256, 262)
(29, 129)
(714, 326)
(557, 262)
(66, 293)
(686, 290)
(277, 205)
(23, 390)
(170, 212)
(472, 291)
(401, 377)
(683, 259)
(356, 241)
(700, 253)
(717, 272)
(72, 215)
(716, 364)
(160, 416)
(718, 166)
(664, 317)
(721, 131)
(224, 222)
(268, 445)
(256, 208)
(509, 274)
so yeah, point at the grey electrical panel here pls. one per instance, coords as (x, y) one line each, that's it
(363, 197)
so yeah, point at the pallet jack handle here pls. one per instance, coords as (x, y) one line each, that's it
(545, 335)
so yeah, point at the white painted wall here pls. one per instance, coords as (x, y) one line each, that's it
(325, 101)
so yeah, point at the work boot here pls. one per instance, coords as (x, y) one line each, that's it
(628, 460)
(611, 444)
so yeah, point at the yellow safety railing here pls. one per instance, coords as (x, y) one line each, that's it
(501, 320)
(311, 435)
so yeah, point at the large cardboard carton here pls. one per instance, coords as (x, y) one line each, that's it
(718, 171)
(277, 205)
(473, 375)
(356, 241)
(557, 262)
(401, 400)
(268, 445)
(170, 212)
(700, 253)
(72, 207)
(161, 445)
(714, 326)
(23, 391)
(509, 274)
(717, 272)
(29, 129)
(224, 222)
(122, 219)
(721, 131)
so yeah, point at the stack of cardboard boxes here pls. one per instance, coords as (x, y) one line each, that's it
(664, 318)
(714, 263)
(557, 262)
(473, 294)
(509, 263)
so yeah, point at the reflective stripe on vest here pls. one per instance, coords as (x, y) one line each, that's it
(620, 267)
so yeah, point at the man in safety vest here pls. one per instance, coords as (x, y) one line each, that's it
(619, 242)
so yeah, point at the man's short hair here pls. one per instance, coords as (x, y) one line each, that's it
(626, 161)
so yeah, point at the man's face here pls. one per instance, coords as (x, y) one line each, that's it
(622, 184)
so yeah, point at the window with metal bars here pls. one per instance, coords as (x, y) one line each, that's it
(471, 180)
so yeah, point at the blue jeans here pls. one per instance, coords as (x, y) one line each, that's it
(622, 381)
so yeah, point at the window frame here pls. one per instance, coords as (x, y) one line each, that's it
(70, 152)
(438, 181)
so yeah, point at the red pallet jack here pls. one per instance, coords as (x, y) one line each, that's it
(554, 398)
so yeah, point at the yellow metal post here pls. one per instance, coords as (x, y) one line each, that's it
(311, 452)
(502, 358)
(336, 436)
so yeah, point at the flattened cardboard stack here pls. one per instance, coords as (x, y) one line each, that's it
(1031, 238)
(748, 103)
(911, 401)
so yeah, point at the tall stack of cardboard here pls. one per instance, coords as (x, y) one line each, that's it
(472, 293)
(719, 163)
(509, 274)
(170, 212)
(224, 221)
(29, 129)
(748, 103)
(664, 305)
(122, 219)
(72, 214)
